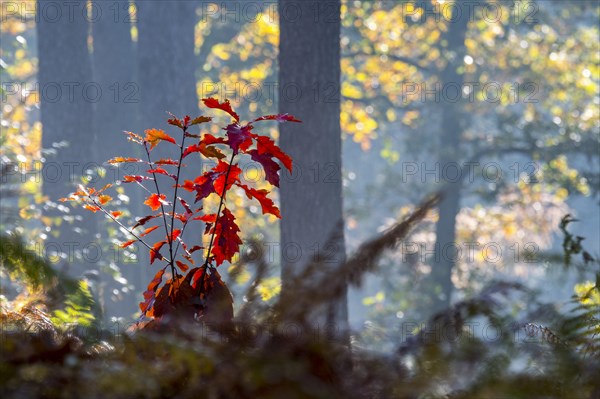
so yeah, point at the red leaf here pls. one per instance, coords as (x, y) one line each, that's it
(149, 294)
(154, 252)
(116, 214)
(195, 248)
(232, 178)
(144, 220)
(227, 240)
(153, 136)
(149, 298)
(265, 145)
(209, 139)
(148, 231)
(197, 275)
(203, 185)
(175, 234)
(187, 208)
(266, 203)
(208, 218)
(161, 171)
(154, 201)
(180, 216)
(156, 280)
(279, 118)
(208, 152)
(224, 106)
(166, 162)
(240, 137)
(271, 167)
(175, 121)
(188, 258)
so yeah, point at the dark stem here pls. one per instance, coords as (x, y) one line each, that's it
(212, 237)
(162, 208)
(128, 230)
(173, 271)
(179, 241)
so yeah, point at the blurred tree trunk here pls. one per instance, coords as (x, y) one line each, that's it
(166, 65)
(166, 61)
(453, 122)
(114, 66)
(311, 198)
(66, 99)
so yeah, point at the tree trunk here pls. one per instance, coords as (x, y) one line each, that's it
(66, 95)
(453, 120)
(117, 110)
(166, 61)
(311, 198)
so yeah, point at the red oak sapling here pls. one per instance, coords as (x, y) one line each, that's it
(189, 288)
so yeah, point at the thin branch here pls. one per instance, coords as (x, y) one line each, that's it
(175, 203)
(127, 229)
(212, 237)
(162, 208)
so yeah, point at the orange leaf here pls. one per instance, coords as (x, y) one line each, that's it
(104, 198)
(116, 214)
(154, 201)
(134, 137)
(126, 244)
(153, 136)
(135, 178)
(148, 231)
(154, 252)
(175, 234)
(123, 159)
(182, 265)
(92, 208)
(200, 119)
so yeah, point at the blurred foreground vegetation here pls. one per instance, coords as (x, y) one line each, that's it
(54, 346)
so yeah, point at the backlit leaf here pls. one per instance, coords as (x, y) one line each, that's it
(154, 201)
(224, 106)
(266, 203)
(148, 231)
(153, 136)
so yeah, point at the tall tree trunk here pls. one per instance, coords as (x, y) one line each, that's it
(453, 120)
(311, 198)
(114, 66)
(166, 65)
(66, 96)
(166, 61)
